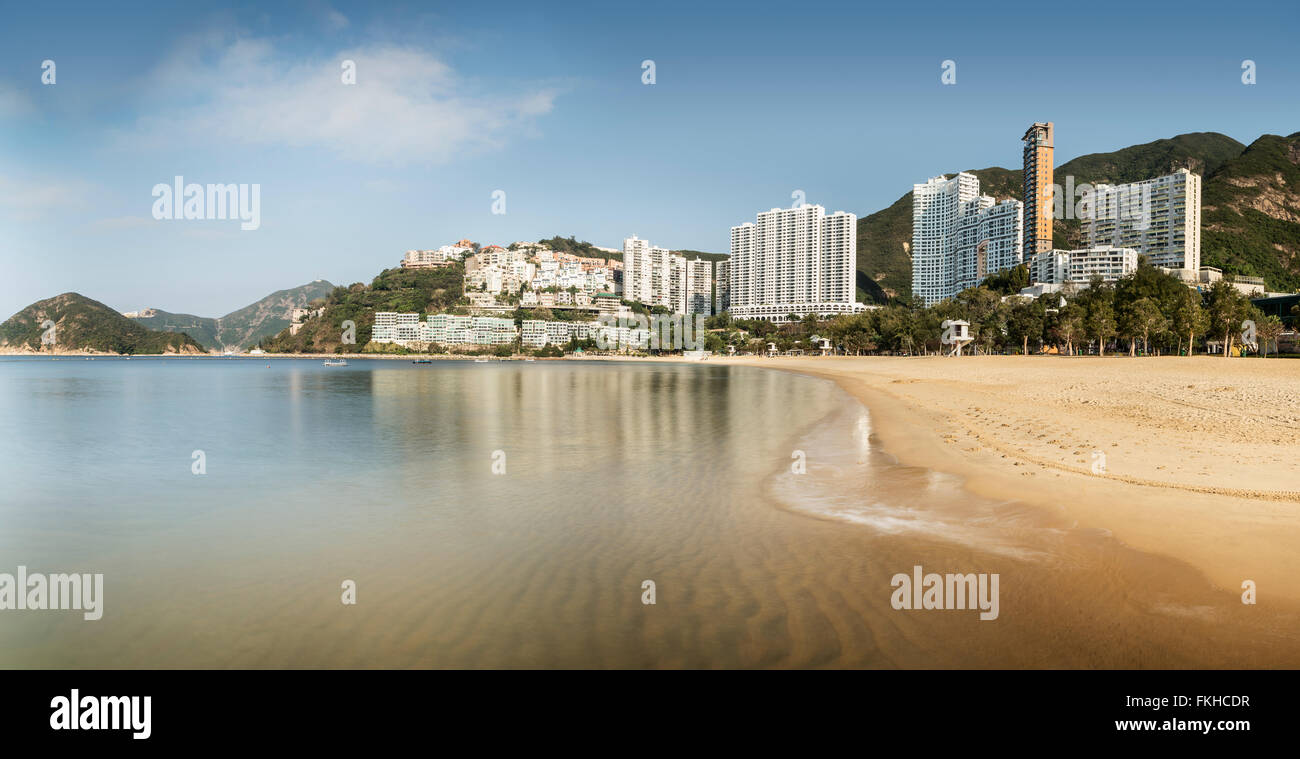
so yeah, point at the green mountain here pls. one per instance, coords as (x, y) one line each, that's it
(1250, 213)
(245, 327)
(406, 290)
(202, 328)
(885, 237)
(82, 324)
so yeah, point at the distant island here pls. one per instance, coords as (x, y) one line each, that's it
(73, 323)
(242, 328)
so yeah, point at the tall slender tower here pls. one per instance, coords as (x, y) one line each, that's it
(1038, 183)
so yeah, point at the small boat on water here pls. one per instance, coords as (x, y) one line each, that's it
(530, 360)
(335, 362)
(422, 361)
(480, 360)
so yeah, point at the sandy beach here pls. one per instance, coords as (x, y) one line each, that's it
(1200, 453)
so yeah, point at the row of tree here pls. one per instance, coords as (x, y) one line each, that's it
(1148, 311)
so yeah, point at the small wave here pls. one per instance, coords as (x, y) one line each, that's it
(849, 479)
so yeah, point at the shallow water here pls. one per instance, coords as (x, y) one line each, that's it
(382, 473)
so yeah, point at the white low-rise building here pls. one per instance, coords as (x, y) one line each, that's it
(533, 333)
(1109, 263)
(493, 330)
(1078, 267)
(431, 259)
(557, 333)
(444, 329)
(392, 327)
(536, 333)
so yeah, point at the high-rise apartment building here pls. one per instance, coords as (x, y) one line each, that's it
(659, 277)
(677, 285)
(989, 239)
(1039, 154)
(636, 269)
(936, 210)
(960, 237)
(699, 287)
(721, 295)
(794, 261)
(1160, 218)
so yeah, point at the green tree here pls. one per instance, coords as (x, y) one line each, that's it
(1069, 324)
(1227, 309)
(1145, 317)
(1025, 321)
(1268, 330)
(1189, 317)
(1098, 302)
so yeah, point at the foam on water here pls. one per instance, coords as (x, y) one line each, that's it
(850, 479)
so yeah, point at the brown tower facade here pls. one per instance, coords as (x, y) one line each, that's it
(1038, 188)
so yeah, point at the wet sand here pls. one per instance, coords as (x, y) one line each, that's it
(1197, 496)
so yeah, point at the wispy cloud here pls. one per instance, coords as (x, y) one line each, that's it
(123, 222)
(13, 104)
(335, 19)
(32, 197)
(407, 106)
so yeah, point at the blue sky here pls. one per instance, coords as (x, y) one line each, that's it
(546, 102)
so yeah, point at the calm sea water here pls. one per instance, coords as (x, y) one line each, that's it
(382, 473)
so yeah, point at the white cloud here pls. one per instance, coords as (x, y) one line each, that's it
(13, 104)
(335, 19)
(407, 106)
(34, 197)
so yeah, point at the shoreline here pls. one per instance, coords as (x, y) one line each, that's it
(905, 468)
(1234, 518)
(379, 356)
(1227, 534)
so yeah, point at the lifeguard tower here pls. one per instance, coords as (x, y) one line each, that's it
(771, 349)
(955, 333)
